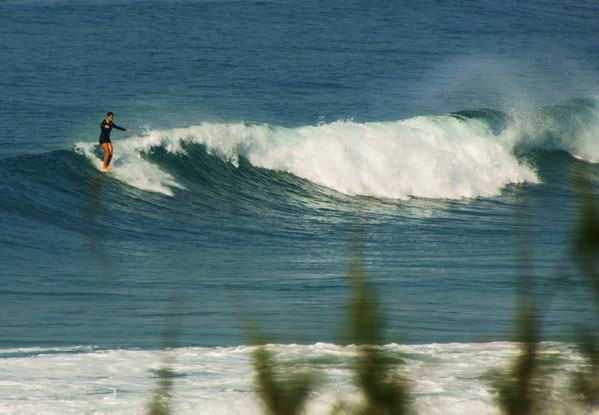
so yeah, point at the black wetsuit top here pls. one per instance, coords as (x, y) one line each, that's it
(105, 132)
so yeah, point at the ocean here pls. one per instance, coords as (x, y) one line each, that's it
(268, 136)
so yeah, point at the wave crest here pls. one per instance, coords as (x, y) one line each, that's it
(463, 155)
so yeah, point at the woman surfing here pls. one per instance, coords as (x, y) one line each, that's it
(105, 128)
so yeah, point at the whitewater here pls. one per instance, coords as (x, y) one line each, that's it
(437, 157)
(443, 378)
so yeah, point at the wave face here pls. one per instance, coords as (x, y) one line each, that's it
(262, 207)
(462, 155)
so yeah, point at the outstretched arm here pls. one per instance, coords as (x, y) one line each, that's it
(121, 128)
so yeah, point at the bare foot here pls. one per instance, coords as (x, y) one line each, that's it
(106, 169)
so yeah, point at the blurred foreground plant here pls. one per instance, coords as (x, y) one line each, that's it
(282, 392)
(522, 389)
(161, 395)
(585, 384)
(385, 392)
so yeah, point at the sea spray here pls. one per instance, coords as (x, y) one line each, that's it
(571, 126)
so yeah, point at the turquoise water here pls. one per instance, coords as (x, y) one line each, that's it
(262, 132)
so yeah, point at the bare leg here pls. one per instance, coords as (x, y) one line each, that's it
(107, 147)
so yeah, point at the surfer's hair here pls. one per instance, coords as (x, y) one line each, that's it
(109, 114)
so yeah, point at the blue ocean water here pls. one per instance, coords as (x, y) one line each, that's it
(266, 136)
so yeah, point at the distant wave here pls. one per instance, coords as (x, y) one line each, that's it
(466, 154)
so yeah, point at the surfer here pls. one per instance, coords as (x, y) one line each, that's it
(105, 128)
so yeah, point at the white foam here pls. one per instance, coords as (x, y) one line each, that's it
(130, 167)
(431, 157)
(445, 378)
